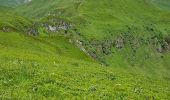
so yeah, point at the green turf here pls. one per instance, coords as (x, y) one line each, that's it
(53, 66)
(162, 4)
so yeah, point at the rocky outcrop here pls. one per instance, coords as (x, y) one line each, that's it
(56, 28)
(5, 29)
(32, 31)
(119, 42)
(167, 43)
(52, 28)
(57, 25)
(137, 45)
(27, 1)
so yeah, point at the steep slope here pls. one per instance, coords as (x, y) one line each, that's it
(83, 49)
(130, 29)
(41, 8)
(12, 3)
(162, 4)
(107, 26)
(49, 67)
(117, 14)
(20, 45)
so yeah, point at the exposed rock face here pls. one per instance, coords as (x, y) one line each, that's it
(167, 44)
(136, 45)
(27, 1)
(5, 29)
(58, 27)
(119, 43)
(52, 28)
(33, 32)
(159, 49)
(80, 45)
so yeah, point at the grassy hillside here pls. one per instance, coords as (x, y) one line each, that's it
(41, 8)
(11, 3)
(108, 14)
(49, 67)
(83, 49)
(116, 14)
(164, 4)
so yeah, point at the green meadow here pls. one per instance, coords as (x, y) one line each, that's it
(84, 49)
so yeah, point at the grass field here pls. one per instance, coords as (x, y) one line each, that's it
(164, 4)
(112, 49)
